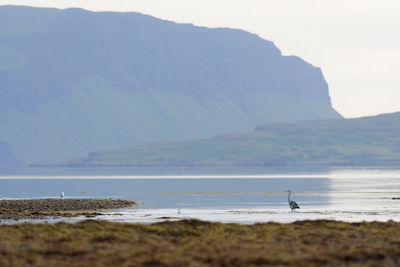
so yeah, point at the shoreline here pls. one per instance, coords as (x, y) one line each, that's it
(147, 172)
(31, 209)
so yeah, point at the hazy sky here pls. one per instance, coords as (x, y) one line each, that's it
(355, 42)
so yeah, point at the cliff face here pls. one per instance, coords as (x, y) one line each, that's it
(7, 157)
(72, 81)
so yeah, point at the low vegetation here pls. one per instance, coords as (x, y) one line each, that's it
(197, 243)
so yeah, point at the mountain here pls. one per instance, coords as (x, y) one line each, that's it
(7, 158)
(361, 142)
(73, 81)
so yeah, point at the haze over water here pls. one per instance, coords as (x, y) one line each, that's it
(340, 195)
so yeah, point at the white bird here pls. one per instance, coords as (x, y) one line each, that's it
(179, 211)
(292, 204)
(62, 195)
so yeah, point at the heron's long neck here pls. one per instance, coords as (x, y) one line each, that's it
(288, 197)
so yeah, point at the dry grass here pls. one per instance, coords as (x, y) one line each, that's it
(196, 243)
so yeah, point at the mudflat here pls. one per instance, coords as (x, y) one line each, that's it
(198, 243)
(42, 208)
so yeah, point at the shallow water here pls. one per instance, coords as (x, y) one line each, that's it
(340, 195)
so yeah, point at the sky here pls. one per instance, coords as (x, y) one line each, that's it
(356, 43)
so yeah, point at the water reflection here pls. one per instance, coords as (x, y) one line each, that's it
(175, 193)
(340, 195)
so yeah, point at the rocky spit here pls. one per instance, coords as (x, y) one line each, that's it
(22, 209)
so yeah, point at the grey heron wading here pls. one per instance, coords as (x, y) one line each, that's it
(292, 204)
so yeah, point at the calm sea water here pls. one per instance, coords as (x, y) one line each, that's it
(340, 195)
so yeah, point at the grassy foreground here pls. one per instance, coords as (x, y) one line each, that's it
(196, 243)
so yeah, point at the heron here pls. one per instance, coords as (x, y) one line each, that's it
(292, 204)
(62, 195)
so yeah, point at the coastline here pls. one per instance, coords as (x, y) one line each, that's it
(23, 209)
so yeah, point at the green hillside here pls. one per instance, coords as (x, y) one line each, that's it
(368, 141)
(74, 81)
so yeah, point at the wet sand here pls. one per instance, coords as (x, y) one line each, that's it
(23, 209)
(198, 243)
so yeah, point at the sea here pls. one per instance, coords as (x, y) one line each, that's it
(344, 195)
